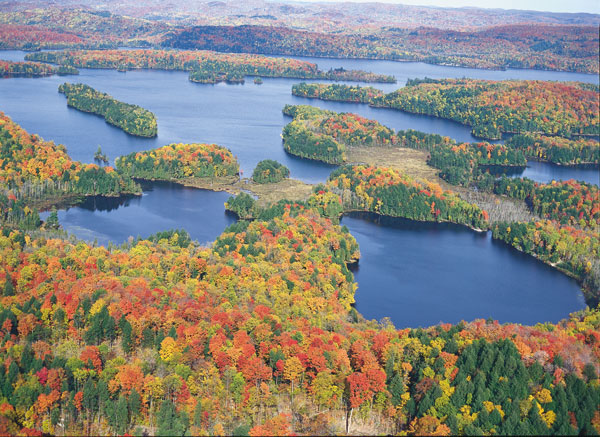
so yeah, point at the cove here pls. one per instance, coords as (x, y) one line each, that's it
(162, 206)
(546, 172)
(420, 274)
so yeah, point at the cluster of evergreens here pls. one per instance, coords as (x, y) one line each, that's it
(243, 205)
(301, 141)
(133, 119)
(268, 171)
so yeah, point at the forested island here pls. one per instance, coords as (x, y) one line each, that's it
(180, 162)
(269, 171)
(32, 69)
(491, 108)
(204, 66)
(133, 119)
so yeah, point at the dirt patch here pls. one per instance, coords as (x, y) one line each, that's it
(410, 161)
(290, 189)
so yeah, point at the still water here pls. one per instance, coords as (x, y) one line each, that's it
(419, 274)
(163, 206)
(414, 273)
(247, 119)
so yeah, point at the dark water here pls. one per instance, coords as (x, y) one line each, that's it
(419, 274)
(163, 206)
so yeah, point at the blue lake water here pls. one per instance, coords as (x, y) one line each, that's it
(416, 274)
(420, 274)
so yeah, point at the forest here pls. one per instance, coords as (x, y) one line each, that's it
(133, 119)
(257, 333)
(566, 48)
(178, 162)
(32, 69)
(167, 337)
(446, 38)
(269, 171)
(569, 211)
(202, 64)
(557, 150)
(389, 192)
(34, 172)
(326, 136)
(491, 108)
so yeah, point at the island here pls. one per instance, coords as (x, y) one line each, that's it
(204, 66)
(133, 119)
(33, 69)
(192, 164)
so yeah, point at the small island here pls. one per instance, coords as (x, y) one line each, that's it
(133, 119)
(269, 171)
(33, 69)
(188, 164)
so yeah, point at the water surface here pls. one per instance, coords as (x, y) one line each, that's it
(163, 206)
(244, 118)
(420, 274)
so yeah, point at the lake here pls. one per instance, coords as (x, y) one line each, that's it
(395, 272)
(163, 206)
(419, 274)
(247, 119)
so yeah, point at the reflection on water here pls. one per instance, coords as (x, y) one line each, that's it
(163, 206)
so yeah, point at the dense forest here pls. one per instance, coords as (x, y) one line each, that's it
(32, 69)
(167, 337)
(256, 333)
(326, 136)
(389, 192)
(133, 119)
(564, 48)
(179, 161)
(445, 38)
(202, 64)
(491, 108)
(34, 172)
(557, 150)
(268, 171)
